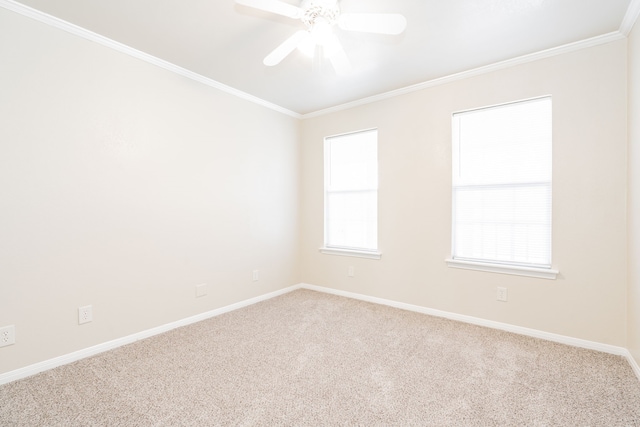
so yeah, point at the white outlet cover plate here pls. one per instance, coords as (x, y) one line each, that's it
(85, 314)
(7, 335)
(201, 290)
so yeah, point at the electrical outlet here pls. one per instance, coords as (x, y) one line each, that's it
(501, 294)
(201, 290)
(256, 275)
(7, 335)
(351, 271)
(85, 314)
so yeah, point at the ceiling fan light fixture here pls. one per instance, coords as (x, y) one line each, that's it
(320, 19)
(321, 31)
(307, 46)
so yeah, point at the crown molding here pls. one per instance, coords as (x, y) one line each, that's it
(97, 38)
(630, 18)
(570, 47)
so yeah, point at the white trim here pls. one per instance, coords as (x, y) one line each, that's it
(503, 104)
(630, 18)
(97, 38)
(119, 342)
(562, 339)
(91, 351)
(633, 363)
(338, 135)
(351, 252)
(571, 47)
(542, 273)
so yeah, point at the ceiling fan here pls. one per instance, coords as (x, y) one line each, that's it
(320, 17)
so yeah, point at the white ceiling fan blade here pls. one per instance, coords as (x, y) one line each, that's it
(381, 23)
(282, 51)
(273, 6)
(336, 54)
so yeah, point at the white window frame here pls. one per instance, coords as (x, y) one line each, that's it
(530, 270)
(370, 253)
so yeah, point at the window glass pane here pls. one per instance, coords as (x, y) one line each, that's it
(351, 198)
(352, 219)
(502, 184)
(503, 224)
(505, 144)
(353, 160)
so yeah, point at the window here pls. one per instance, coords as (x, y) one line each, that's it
(351, 194)
(502, 189)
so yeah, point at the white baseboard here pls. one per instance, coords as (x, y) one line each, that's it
(36, 368)
(91, 351)
(633, 363)
(562, 339)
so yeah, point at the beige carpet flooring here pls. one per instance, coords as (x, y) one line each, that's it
(307, 358)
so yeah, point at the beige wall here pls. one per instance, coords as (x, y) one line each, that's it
(123, 185)
(589, 237)
(633, 328)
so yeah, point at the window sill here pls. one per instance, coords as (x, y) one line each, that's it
(351, 252)
(541, 273)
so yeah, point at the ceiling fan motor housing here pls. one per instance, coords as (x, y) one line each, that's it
(319, 10)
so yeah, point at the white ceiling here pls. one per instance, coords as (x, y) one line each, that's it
(227, 42)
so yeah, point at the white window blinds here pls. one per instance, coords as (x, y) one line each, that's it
(351, 191)
(502, 184)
